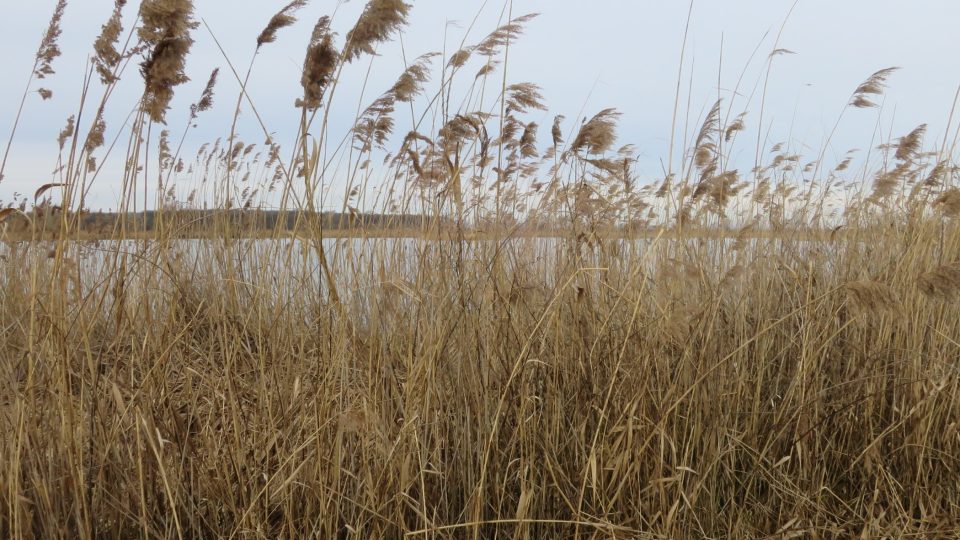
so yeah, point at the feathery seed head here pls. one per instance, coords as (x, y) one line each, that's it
(909, 145)
(67, 131)
(504, 36)
(941, 283)
(106, 55)
(318, 66)
(49, 49)
(949, 202)
(411, 81)
(166, 26)
(556, 132)
(598, 134)
(206, 97)
(869, 296)
(522, 97)
(379, 20)
(95, 136)
(459, 58)
(282, 19)
(528, 141)
(873, 86)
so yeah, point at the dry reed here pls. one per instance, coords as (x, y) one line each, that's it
(502, 338)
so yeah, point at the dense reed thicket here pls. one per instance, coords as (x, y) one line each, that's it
(708, 354)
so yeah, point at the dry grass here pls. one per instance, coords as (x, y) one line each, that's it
(701, 356)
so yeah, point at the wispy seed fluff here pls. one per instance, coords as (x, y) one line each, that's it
(166, 26)
(873, 86)
(556, 132)
(949, 202)
(318, 66)
(379, 20)
(522, 97)
(95, 135)
(282, 19)
(869, 296)
(503, 36)
(206, 98)
(106, 56)
(908, 147)
(411, 81)
(67, 131)
(598, 134)
(941, 283)
(49, 49)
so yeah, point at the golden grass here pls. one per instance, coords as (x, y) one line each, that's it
(560, 352)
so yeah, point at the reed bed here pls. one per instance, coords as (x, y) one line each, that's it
(559, 349)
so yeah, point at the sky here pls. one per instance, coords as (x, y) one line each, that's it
(586, 56)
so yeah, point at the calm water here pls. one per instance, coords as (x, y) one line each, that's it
(292, 266)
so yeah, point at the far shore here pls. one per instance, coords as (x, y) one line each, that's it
(446, 234)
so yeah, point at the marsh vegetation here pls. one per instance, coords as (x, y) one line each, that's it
(713, 353)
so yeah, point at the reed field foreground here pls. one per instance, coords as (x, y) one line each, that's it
(793, 374)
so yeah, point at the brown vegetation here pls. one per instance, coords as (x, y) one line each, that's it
(706, 355)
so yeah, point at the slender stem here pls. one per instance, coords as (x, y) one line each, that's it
(16, 120)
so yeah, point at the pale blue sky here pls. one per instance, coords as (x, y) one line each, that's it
(585, 55)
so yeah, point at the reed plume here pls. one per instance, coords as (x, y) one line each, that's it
(410, 83)
(504, 35)
(280, 20)
(949, 202)
(375, 123)
(873, 86)
(459, 58)
(165, 29)
(106, 56)
(736, 126)
(528, 141)
(908, 147)
(844, 164)
(521, 97)
(598, 134)
(379, 20)
(556, 132)
(49, 48)
(705, 148)
(526, 345)
(94, 138)
(937, 173)
(67, 131)
(206, 97)
(319, 65)
(941, 283)
(720, 189)
(870, 296)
